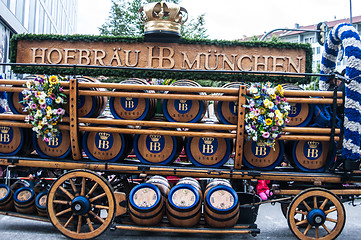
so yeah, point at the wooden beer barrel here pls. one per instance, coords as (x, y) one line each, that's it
(159, 149)
(227, 112)
(90, 106)
(261, 157)
(208, 151)
(106, 146)
(14, 98)
(133, 108)
(221, 207)
(184, 205)
(40, 203)
(309, 156)
(57, 147)
(15, 141)
(162, 183)
(300, 114)
(6, 197)
(14, 102)
(193, 182)
(24, 200)
(218, 181)
(190, 111)
(146, 204)
(19, 184)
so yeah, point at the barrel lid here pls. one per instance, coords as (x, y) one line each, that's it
(300, 114)
(227, 112)
(155, 148)
(183, 196)
(311, 156)
(262, 157)
(23, 195)
(222, 198)
(129, 108)
(14, 102)
(208, 151)
(104, 146)
(4, 191)
(189, 111)
(58, 147)
(145, 196)
(40, 200)
(11, 140)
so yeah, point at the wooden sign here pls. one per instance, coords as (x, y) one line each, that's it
(138, 54)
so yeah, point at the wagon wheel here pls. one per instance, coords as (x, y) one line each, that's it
(81, 204)
(316, 213)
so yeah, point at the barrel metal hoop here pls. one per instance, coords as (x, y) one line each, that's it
(184, 218)
(222, 219)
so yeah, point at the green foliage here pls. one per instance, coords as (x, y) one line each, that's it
(313, 85)
(195, 28)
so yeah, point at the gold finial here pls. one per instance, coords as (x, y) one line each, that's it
(162, 18)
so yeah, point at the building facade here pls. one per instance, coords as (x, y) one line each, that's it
(302, 36)
(34, 16)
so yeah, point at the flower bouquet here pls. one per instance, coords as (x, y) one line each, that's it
(267, 113)
(44, 99)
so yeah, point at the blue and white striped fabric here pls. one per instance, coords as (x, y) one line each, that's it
(346, 35)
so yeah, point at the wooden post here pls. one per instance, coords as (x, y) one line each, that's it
(240, 127)
(73, 112)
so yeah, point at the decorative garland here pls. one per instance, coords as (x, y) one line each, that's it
(159, 74)
(348, 36)
(45, 100)
(267, 113)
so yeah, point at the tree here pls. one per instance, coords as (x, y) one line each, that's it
(123, 21)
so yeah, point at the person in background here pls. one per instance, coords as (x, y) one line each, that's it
(263, 189)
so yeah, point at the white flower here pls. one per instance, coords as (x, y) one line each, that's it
(270, 105)
(271, 114)
(42, 95)
(59, 100)
(28, 84)
(254, 138)
(271, 91)
(253, 90)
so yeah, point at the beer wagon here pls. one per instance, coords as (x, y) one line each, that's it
(88, 175)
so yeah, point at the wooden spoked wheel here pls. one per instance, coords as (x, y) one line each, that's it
(316, 213)
(81, 204)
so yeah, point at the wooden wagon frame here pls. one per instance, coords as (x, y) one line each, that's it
(310, 194)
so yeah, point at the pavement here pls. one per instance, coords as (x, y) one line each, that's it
(270, 220)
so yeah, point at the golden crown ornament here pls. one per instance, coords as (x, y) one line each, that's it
(162, 21)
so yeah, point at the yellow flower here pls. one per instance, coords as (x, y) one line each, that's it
(280, 90)
(266, 102)
(273, 96)
(280, 122)
(262, 110)
(268, 121)
(53, 80)
(46, 131)
(277, 112)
